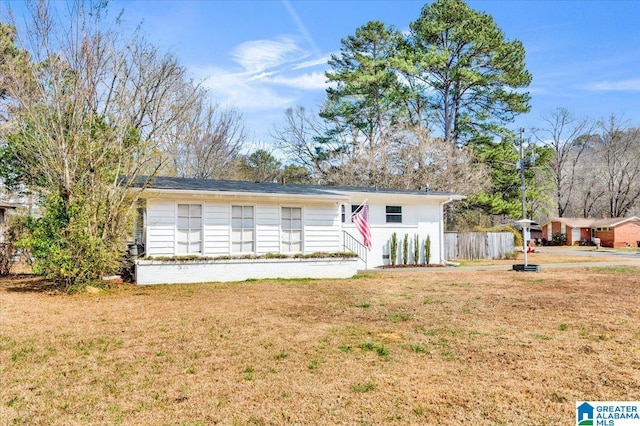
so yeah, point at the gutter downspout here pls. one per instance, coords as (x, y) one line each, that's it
(441, 225)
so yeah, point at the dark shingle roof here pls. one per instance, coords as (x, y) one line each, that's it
(189, 184)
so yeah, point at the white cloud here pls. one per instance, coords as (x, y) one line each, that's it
(269, 75)
(632, 85)
(239, 91)
(311, 63)
(313, 81)
(259, 55)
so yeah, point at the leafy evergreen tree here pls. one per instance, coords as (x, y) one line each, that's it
(469, 73)
(364, 101)
(503, 199)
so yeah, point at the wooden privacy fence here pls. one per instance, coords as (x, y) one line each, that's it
(478, 245)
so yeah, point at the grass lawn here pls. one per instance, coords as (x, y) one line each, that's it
(557, 256)
(440, 346)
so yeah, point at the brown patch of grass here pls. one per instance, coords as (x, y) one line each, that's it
(422, 347)
(557, 256)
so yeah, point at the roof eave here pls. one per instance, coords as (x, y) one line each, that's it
(418, 195)
(236, 194)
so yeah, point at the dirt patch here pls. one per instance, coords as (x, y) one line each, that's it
(412, 347)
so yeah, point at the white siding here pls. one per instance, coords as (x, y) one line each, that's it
(423, 219)
(267, 228)
(161, 228)
(322, 229)
(216, 229)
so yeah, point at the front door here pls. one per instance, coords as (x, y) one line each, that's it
(575, 235)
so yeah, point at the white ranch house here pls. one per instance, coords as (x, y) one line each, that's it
(215, 219)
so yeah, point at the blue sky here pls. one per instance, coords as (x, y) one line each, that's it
(264, 56)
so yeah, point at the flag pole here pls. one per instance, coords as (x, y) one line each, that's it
(355, 212)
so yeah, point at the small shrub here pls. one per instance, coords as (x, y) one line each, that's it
(393, 248)
(416, 249)
(67, 246)
(559, 239)
(405, 249)
(427, 250)
(275, 256)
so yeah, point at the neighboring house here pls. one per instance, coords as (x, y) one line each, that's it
(215, 218)
(613, 232)
(534, 231)
(5, 209)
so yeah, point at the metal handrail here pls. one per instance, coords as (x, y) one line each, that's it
(350, 243)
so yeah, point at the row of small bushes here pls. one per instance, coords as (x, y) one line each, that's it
(314, 255)
(416, 249)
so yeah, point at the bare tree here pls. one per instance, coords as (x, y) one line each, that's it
(403, 158)
(566, 136)
(302, 139)
(207, 142)
(423, 161)
(337, 157)
(88, 111)
(618, 147)
(590, 192)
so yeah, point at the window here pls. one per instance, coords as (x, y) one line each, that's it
(138, 225)
(291, 229)
(242, 229)
(189, 227)
(394, 214)
(343, 210)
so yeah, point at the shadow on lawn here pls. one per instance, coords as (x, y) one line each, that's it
(29, 283)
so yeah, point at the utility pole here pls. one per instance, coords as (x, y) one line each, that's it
(523, 188)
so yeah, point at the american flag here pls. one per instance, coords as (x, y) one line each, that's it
(361, 220)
